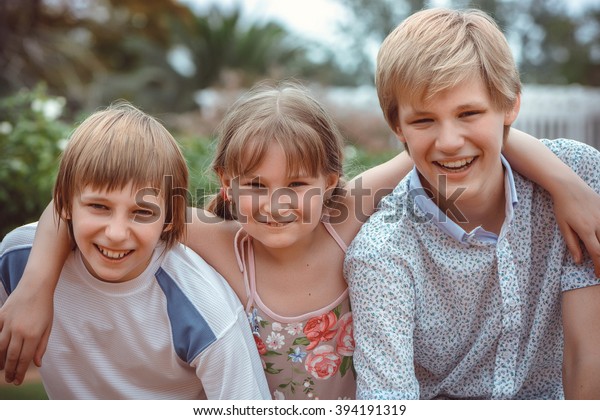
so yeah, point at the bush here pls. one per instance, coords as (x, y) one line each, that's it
(31, 139)
(198, 154)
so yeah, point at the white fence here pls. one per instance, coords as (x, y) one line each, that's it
(561, 111)
(546, 111)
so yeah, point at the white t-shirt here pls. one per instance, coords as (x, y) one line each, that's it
(177, 331)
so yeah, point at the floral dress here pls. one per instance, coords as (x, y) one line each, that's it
(307, 356)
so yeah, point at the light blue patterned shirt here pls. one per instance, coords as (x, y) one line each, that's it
(442, 313)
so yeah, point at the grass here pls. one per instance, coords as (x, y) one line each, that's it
(27, 391)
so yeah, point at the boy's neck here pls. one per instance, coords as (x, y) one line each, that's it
(489, 217)
(487, 211)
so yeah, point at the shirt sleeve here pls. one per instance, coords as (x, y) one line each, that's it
(14, 252)
(585, 162)
(383, 306)
(230, 369)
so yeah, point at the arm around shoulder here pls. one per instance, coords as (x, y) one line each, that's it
(26, 317)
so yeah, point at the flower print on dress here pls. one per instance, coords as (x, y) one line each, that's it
(294, 328)
(320, 328)
(296, 355)
(275, 340)
(323, 362)
(260, 345)
(254, 320)
(345, 336)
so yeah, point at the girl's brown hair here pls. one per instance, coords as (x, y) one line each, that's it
(285, 114)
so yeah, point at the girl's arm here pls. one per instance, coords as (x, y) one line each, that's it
(576, 205)
(26, 317)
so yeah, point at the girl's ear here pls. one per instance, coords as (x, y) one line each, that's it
(225, 181)
(332, 180)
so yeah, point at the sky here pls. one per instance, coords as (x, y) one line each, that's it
(312, 18)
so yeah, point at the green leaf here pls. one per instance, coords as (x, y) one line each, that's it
(302, 341)
(347, 363)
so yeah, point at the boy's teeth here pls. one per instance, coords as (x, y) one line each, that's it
(456, 163)
(113, 254)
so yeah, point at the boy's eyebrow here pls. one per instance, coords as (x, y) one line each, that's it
(470, 106)
(416, 112)
(92, 197)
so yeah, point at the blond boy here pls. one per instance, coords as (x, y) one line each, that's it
(458, 282)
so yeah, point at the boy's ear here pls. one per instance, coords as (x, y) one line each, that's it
(511, 114)
(399, 134)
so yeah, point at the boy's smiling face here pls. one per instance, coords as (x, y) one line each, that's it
(455, 140)
(115, 234)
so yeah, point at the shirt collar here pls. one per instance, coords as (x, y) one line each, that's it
(447, 225)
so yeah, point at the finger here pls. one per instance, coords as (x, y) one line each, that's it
(41, 349)
(4, 340)
(12, 359)
(27, 352)
(572, 241)
(593, 248)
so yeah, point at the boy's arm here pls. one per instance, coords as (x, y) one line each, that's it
(581, 324)
(26, 317)
(576, 205)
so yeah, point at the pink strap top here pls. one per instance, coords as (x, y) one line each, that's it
(242, 241)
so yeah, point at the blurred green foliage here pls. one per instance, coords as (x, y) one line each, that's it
(31, 139)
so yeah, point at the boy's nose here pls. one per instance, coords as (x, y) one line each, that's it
(449, 139)
(117, 230)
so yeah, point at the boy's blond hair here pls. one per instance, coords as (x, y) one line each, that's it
(437, 49)
(121, 145)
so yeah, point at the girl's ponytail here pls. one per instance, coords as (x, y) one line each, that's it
(221, 207)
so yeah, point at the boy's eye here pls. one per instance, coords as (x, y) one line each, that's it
(143, 212)
(421, 121)
(468, 113)
(97, 206)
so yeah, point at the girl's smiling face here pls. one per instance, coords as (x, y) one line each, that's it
(274, 207)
